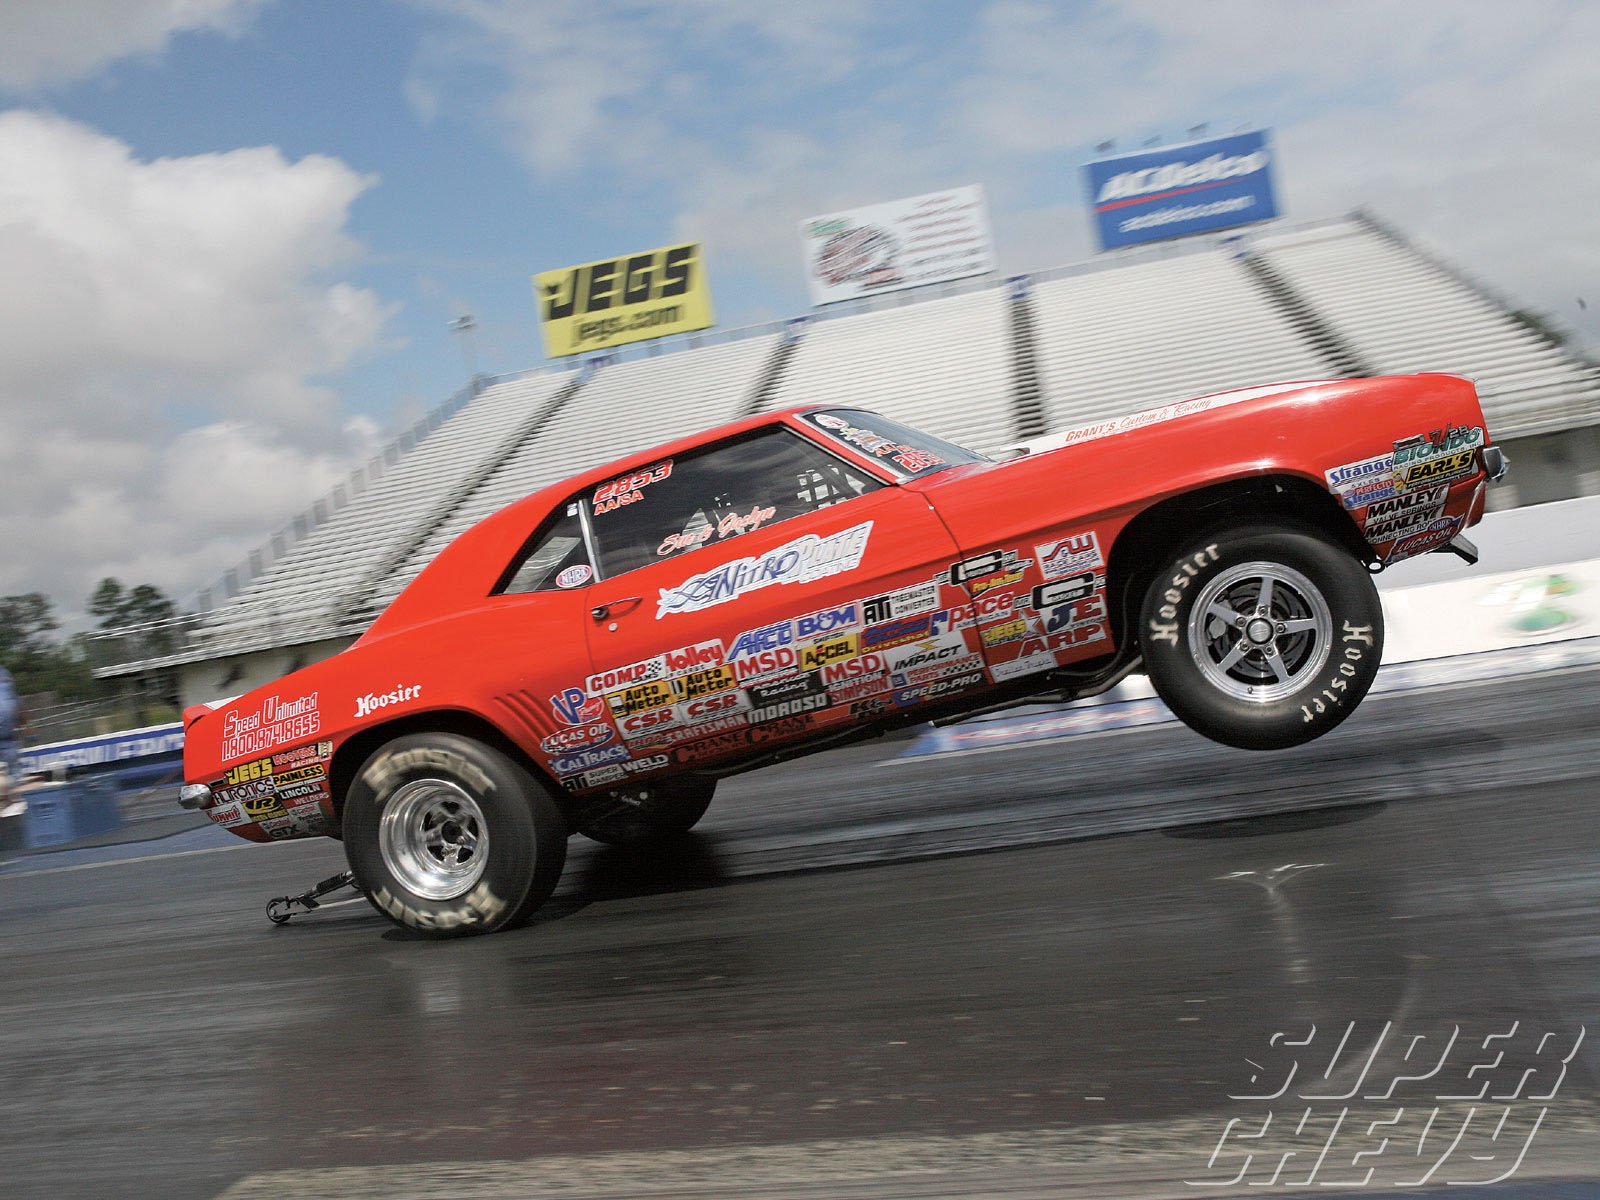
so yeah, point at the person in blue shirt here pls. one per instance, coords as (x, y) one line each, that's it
(10, 718)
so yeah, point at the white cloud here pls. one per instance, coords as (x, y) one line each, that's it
(165, 324)
(44, 42)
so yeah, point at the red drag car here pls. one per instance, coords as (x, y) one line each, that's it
(595, 657)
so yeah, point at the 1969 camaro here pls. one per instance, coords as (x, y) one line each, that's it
(595, 657)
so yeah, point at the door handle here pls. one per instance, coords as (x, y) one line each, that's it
(615, 608)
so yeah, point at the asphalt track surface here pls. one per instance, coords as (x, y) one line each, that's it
(1036, 971)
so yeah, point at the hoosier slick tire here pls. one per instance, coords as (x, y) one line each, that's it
(665, 810)
(1262, 637)
(448, 836)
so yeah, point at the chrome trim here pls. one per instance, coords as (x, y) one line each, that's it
(1260, 631)
(1495, 462)
(194, 795)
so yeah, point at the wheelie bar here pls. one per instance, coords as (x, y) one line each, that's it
(282, 908)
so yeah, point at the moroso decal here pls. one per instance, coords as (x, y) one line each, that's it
(803, 560)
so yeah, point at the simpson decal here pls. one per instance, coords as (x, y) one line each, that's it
(803, 560)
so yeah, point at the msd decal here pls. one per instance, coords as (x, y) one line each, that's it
(803, 560)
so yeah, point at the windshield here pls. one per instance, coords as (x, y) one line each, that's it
(908, 452)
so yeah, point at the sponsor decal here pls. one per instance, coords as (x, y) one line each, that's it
(1364, 494)
(820, 654)
(575, 707)
(1431, 538)
(1166, 629)
(788, 708)
(371, 703)
(653, 762)
(576, 575)
(1064, 639)
(301, 754)
(928, 692)
(578, 737)
(867, 709)
(848, 690)
(1065, 591)
(927, 674)
(249, 791)
(301, 790)
(708, 708)
(768, 637)
(827, 620)
(1009, 631)
(987, 610)
(645, 695)
(989, 582)
(803, 560)
(571, 764)
(302, 774)
(1072, 555)
(908, 601)
(228, 815)
(763, 694)
(688, 733)
(247, 772)
(1358, 474)
(597, 305)
(1404, 512)
(601, 776)
(981, 569)
(648, 722)
(1437, 442)
(908, 459)
(628, 489)
(703, 683)
(276, 722)
(262, 807)
(1433, 470)
(766, 662)
(926, 653)
(1027, 664)
(692, 658)
(848, 669)
(897, 632)
(1068, 616)
(645, 671)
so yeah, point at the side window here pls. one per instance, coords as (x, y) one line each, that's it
(556, 557)
(713, 495)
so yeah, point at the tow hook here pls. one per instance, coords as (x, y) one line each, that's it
(282, 908)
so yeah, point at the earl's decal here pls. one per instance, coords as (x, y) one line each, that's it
(615, 301)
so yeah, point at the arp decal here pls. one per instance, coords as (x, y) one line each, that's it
(803, 560)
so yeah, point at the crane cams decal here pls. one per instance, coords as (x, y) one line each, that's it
(803, 560)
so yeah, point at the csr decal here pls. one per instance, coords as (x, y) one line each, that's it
(615, 301)
(803, 560)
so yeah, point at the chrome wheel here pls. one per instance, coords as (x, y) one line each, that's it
(1258, 631)
(433, 839)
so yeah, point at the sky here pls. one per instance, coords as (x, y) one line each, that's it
(233, 233)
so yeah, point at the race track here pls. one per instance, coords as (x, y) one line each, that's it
(1038, 970)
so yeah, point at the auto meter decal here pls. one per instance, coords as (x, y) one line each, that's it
(803, 560)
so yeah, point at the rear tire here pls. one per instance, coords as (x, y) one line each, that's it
(448, 836)
(1262, 637)
(657, 812)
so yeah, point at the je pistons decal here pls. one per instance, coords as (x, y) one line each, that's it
(803, 560)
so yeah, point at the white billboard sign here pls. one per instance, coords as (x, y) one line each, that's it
(898, 244)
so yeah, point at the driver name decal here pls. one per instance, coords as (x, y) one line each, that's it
(801, 561)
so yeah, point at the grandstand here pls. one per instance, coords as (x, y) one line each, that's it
(984, 364)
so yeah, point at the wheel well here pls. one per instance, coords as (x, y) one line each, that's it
(1158, 532)
(348, 758)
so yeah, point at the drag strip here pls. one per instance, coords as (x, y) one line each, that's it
(868, 973)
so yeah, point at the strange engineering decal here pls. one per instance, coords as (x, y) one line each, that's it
(998, 615)
(1405, 492)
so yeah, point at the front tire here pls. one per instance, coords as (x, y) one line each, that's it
(448, 836)
(1262, 637)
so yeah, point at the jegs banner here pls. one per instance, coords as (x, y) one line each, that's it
(897, 244)
(1178, 190)
(615, 301)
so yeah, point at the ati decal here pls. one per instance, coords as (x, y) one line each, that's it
(371, 703)
(1065, 591)
(820, 654)
(1449, 440)
(578, 737)
(574, 576)
(803, 560)
(827, 620)
(906, 602)
(645, 671)
(574, 707)
(276, 722)
(1432, 470)
(626, 489)
(571, 764)
(1071, 555)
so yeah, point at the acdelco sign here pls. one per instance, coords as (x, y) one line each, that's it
(619, 300)
(1180, 190)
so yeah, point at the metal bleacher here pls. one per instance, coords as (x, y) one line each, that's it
(982, 364)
